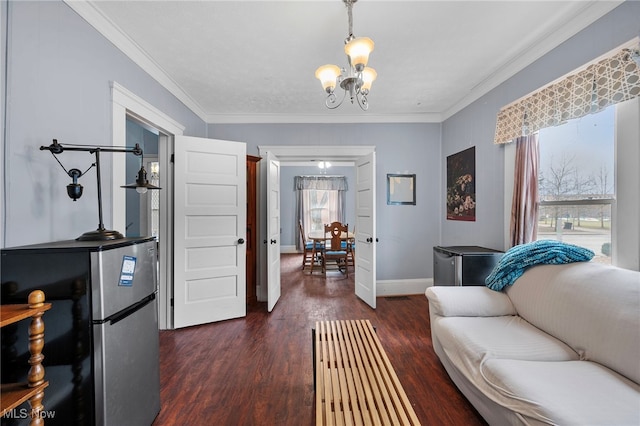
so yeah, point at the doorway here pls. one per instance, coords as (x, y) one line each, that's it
(126, 105)
(143, 210)
(364, 158)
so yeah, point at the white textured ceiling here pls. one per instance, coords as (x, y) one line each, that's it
(254, 61)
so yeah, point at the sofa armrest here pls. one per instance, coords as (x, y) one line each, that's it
(472, 301)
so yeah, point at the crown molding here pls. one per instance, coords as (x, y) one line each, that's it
(123, 42)
(322, 118)
(591, 12)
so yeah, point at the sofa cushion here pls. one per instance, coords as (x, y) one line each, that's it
(469, 341)
(564, 393)
(476, 301)
(593, 308)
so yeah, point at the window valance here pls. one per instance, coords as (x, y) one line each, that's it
(320, 182)
(606, 82)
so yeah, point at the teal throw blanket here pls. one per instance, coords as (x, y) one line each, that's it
(517, 259)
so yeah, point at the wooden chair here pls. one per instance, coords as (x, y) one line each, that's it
(334, 250)
(350, 245)
(307, 247)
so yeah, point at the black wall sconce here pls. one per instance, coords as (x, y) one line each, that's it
(74, 189)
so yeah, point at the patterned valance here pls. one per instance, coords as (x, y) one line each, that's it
(606, 82)
(336, 183)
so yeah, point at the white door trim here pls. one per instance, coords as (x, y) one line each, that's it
(124, 103)
(273, 230)
(287, 153)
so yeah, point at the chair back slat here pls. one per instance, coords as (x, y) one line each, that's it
(336, 230)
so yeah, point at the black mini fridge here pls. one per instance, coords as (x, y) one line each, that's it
(463, 265)
(101, 336)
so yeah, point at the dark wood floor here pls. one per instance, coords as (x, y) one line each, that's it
(258, 370)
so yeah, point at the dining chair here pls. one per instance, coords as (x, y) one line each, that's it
(336, 233)
(307, 247)
(350, 246)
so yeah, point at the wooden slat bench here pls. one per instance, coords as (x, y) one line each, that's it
(355, 382)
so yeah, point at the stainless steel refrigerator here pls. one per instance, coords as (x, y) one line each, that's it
(101, 335)
(463, 265)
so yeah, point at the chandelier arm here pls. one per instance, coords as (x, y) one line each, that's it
(330, 102)
(363, 103)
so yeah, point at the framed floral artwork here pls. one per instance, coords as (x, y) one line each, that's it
(461, 178)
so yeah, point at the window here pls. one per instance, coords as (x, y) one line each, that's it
(576, 182)
(321, 200)
(319, 206)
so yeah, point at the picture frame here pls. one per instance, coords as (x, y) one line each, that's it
(401, 189)
(461, 184)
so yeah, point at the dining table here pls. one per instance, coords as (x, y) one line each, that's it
(322, 237)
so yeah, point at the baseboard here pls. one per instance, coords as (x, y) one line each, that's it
(384, 287)
(402, 287)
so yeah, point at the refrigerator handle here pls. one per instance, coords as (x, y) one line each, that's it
(119, 316)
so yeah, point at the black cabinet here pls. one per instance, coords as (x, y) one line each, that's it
(463, 265)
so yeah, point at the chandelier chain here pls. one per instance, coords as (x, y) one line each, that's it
(350, 14)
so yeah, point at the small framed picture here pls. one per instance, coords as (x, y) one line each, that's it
(401, 189)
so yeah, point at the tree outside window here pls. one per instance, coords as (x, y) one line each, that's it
(575, 182)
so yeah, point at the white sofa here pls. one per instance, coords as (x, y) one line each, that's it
(560, 346)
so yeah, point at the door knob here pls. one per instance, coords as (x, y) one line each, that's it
(273, 241)
(240, 240)
(369, 240)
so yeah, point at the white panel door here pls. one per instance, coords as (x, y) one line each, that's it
(209, 231)
(365, 229)
(273, 230)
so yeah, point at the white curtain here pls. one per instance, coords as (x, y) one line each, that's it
(524, 207)
(319, 200)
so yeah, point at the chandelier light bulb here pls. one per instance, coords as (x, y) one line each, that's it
(358, 50)
(368, 77)
(328, 76)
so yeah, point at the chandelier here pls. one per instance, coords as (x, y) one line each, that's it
(358, 78)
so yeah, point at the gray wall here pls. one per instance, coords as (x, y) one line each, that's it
(58, 75)
(475, 125)
(406, 233)
(288, 221)
(59, 71)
